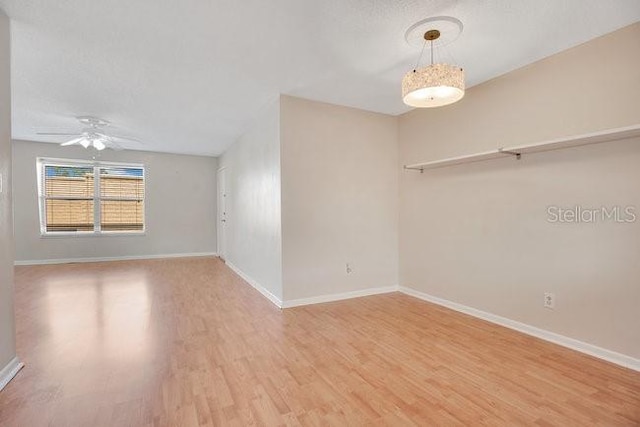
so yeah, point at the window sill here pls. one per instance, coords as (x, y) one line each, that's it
(63, 235)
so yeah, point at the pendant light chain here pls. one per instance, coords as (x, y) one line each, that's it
(420, 57)
(424, 45)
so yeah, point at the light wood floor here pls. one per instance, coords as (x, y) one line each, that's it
(185, 342)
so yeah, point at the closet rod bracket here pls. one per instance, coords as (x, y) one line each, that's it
(513, 153)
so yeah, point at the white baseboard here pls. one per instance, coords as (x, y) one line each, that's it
(257, 286)
(114, 258)
(8, 372)
(312, 300)
(590, 349)
(337, 297)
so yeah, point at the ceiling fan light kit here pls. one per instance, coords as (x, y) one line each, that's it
(437, 84)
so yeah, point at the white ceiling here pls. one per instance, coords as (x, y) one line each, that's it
(189, 76)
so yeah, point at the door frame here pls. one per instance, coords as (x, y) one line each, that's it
(221, 214)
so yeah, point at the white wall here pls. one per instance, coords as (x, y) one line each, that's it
(478, 235)
(339, 199)
(7, 326)
(253, 236)
(180, 206)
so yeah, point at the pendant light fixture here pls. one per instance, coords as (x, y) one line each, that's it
(435, 85)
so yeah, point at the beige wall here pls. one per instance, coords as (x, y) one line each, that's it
(7, 329)
(180, 206)
(477, 234)
(339, 199)
(253, 232)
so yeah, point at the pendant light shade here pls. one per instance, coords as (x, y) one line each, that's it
(433, 86)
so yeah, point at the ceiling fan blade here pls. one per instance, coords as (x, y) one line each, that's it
(71, 142)
(115, 146)
(126, 138)
(58, 134)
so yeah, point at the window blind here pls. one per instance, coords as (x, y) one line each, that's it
(82, 198)
(121, 199)
(69, 198)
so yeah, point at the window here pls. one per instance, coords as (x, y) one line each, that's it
(90, 197)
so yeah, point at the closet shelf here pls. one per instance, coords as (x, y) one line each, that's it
(517, 151)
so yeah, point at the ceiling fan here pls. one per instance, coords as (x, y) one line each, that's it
(92, 135)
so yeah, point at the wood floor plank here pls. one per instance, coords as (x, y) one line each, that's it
(185, 342)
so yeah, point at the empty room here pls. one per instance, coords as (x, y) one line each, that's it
(319, 213)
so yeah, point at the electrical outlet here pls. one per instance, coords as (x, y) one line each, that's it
(549, 300)
(348, 268)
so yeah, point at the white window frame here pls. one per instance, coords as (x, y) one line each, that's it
(42, 162)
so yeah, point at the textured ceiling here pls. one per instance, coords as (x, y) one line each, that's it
(189, 76)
